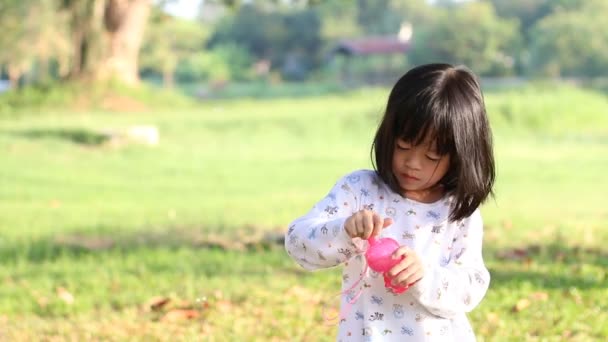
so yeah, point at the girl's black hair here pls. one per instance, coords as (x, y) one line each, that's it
(445, 103)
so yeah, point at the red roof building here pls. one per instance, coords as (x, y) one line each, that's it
(371, 46)
(374, 59)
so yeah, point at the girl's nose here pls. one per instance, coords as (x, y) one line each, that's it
(412, 161)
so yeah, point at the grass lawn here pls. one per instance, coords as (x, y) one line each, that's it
(174, 242)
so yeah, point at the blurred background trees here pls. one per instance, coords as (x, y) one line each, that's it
(265, 40)
(95, 39)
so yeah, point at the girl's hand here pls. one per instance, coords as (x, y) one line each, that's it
(409, 270)
(365, 223)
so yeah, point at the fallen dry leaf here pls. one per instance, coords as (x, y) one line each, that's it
(203, 303)
(492, 318)
(179, 315)
(223, 305)
(65, 295)
(42, 301)
(521, 305)
(540, 296)
(183, 304)
(93, 243)
(299, 292)
(157, 303)
(513, 254)
(575, 294)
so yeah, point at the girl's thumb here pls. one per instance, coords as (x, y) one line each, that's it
(387, 222)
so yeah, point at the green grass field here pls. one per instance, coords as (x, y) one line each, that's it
(174, 242)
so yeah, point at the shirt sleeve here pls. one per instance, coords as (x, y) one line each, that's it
(460, 285)
(318, 240)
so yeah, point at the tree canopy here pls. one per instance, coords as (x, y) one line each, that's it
(121, 39)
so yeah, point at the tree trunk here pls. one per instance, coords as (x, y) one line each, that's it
(168, 78)
(77, 64)
(124, 23)
(14, 72)
(44, 72)
(107, 36)
(86, 25)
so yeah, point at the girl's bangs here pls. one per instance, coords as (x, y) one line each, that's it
(422, 125)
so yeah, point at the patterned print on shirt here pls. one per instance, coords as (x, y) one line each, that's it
(433, 214)
(331, 210)
(408, 236)
(377, 300)
(407, 331)
(376, 316)
(353, 179)
(398, 311)
(346, 252)
(324, 230)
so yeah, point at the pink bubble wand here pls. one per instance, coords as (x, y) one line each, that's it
(378, 257)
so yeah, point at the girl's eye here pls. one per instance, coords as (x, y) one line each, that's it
(403, 147)
(433, 158)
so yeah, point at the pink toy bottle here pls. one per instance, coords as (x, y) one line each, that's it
(379, 258)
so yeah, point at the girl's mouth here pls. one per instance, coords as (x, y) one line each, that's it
(409, 177)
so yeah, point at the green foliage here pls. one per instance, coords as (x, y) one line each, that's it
(34, 35)
(571, 43)
(376, 17)
(284, 39)
(237, 58)
(223, 63)
(85, 96)
(550, 109)
(266, 90)
(169, 42)
(207, 66)
(48, 40)
(469, 34)
(338, 20)
(526, 12)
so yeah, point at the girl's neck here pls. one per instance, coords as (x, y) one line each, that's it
(430, 195)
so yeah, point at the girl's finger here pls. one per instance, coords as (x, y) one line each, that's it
(413, 279)
(358, 225)
(377, 220)
(368, 222)
(406, 276)
(402, 265)
(347, 228)
(401, 252)
(416, 278)
(352, 227)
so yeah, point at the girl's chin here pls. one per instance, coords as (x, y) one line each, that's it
(409, 189)
(409, 186)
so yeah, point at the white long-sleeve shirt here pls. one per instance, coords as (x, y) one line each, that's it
(434, 309)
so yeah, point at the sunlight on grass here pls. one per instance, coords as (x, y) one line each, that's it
(90, 233)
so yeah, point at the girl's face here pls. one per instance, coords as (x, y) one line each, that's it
(418, 169)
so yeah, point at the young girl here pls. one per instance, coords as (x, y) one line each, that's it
(434, 166)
